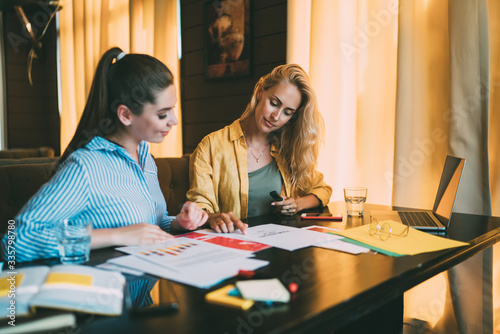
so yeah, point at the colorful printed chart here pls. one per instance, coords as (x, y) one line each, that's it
(184, 254)
(244, 245)
(173, 250)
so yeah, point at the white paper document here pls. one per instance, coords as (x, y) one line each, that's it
(286, 237)
(183, 254)
(322, 229)
(123, 270)
(205, 277)
(279, 236)
(339, 245)
(235, 235)
(343, 246)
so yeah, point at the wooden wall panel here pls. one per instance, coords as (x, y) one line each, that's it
(192, 14)
(192, 39)
(273, 18)
(208, 106)
(271, 48)
(261, 4)
(32, 110)
(195, 60)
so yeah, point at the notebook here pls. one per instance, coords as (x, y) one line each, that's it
(439, 218)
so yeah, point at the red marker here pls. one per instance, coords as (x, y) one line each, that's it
(293, 287)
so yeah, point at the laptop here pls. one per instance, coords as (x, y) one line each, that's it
(439, 218)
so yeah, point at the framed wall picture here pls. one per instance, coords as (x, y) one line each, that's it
(227, 39)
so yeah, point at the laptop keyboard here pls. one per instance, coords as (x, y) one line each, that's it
(415, 218)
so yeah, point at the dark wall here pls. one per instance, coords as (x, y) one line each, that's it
(32, 110)
(210, 105)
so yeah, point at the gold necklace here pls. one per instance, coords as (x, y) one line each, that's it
(256, 157)
(251, 151)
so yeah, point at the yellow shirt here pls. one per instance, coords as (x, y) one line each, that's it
(218, 173)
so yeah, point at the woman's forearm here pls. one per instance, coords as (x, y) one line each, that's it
(133, 234)
(104, 237)
(307, 202)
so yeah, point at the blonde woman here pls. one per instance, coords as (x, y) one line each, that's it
(272, 147)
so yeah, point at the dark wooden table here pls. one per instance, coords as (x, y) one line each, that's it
(338, 292)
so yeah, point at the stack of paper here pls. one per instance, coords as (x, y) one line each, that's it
(227, 241)
(338, 244)
(204, 258)
(189, 261)
(415, 242)
(290, 238)
(279, 236)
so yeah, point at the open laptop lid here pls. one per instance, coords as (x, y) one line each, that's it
(448, 188)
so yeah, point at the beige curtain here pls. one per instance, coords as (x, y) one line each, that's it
(494, 140)
(494, 136)
(352, 61)
(400, 85)
(90, 27)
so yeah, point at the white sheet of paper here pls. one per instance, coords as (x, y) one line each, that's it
(183, 254)
(205, 278)
(339, 245)
(235, 235)
(343, 246)
(311, 227)
(280, 236)
(123, 270)
(287, 237)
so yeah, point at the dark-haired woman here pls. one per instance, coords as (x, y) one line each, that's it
(106, 174)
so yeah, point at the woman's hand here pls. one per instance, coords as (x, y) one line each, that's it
(191, 216)
(225, 223)
(135, 234)
(288, 206)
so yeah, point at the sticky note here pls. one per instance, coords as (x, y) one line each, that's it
(267, 290)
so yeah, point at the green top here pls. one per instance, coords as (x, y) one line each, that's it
(261, 182)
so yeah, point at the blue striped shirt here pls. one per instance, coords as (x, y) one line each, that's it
(101, 183)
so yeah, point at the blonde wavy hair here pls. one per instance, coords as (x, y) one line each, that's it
(298, 141)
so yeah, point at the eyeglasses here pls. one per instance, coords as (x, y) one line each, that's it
(384, 231)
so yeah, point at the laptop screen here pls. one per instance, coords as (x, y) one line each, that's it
(448, 188)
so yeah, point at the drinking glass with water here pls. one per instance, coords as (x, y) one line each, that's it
(355, 199)
(73, 237)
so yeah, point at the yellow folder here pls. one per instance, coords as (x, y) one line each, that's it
(221, 297)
